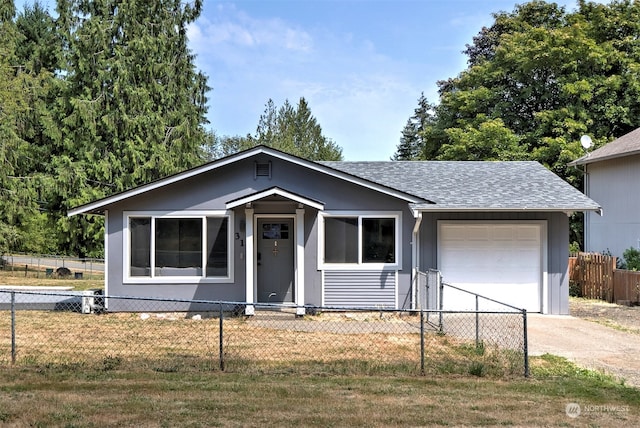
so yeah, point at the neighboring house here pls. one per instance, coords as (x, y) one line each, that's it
(265, 226)
(611, 176)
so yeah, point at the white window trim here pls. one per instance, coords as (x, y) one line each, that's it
(126, 240)
(360, 265)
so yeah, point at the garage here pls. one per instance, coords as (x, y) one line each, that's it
(500, 260)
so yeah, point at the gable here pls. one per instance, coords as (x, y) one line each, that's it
(256, 158)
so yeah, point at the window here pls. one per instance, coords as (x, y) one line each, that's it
(341, 240)
(360, 239)
(140, 253)
(195, 246)
(378, 240)
(178, 246)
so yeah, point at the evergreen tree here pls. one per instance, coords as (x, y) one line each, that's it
(289, 129)
(37, 60)
(134, 104)
(18, 89)
(412, 143)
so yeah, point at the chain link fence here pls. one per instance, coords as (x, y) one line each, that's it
(52, 266)
(81, 328)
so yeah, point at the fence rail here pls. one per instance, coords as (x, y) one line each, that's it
(170, 335)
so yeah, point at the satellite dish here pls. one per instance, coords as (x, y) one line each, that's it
(586, 142)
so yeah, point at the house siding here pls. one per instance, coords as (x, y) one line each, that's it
(557, 248)
(366, 288)
(611, 183)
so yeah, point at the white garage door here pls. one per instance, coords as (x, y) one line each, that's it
(498, 260)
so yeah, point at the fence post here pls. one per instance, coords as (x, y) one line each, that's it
(422, 341)
(477, 324)
(13, 327)
(221, 338)
(526, 344)
(441, 304)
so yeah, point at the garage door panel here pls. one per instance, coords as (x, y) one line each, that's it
(503, 233)
(480, 234)
(500, 261)
(530, 233)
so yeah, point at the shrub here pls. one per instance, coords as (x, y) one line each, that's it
(574, 289)
(574, 248)
(632, 258)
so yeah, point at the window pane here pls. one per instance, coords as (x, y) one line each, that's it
(217, 246)
(341, 240)
(140, 250)
(275, 231)
(378, 240)
(178, 247)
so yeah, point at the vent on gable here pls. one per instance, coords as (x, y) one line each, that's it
(263, 169)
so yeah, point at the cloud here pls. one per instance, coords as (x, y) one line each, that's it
(228, 28)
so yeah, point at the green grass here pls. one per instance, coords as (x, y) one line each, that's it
(76, 397)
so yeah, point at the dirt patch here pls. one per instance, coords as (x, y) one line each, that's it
(626, 318)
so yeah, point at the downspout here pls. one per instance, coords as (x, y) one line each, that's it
(415, 254)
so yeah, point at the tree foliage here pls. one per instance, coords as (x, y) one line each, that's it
(537, 79)
(413, 144)
(290, 129)
(20, 92)
(133, 104)
(102, 98)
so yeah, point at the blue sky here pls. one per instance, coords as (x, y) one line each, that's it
(361, 64)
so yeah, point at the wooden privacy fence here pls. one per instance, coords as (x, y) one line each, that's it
(626, 286)
(597, 278)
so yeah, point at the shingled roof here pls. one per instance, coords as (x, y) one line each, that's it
(474, 186)
(627, 145)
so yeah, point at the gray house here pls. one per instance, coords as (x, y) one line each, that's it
(265, 226)
(611, 174)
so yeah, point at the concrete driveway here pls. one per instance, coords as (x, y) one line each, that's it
(586, 343)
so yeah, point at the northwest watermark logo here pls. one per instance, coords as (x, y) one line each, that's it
(573, 410)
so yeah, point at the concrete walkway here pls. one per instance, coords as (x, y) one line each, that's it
(586, 343)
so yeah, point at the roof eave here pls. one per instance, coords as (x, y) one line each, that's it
(587, 159)
(567, 210)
